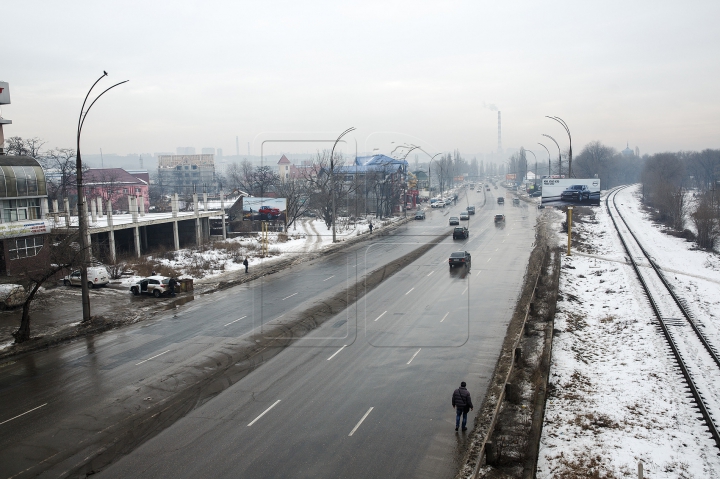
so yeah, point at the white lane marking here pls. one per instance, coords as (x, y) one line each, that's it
(409, 291)
(431, 272)
(328, 278)
(343, 347)
(228, 324)
(478, 273)
(286, 297)
(31, 410)
(488, 260)
(380, 316)
(496, 249)
(360, 422)
(148, 359)
(464, 291)
(263, 413)
(446, 315)
(413, 357)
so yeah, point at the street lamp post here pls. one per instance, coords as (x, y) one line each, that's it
(548, 152)
(332, 177)
(564, 125)
(559, 155)
(533, 154)
(82, 217)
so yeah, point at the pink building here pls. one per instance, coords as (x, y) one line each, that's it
(116, 184)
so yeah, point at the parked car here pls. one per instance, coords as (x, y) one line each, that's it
(420, 215)
(448, 201)
(454, 220)
(459, 258)
(575, 193)
(155, 285)
(464, 216)
(97, 276)
(438, 204)
(516, 201)
(499, 218)
(501, 200)
(460, 232)
(471, 209)
(535, 194)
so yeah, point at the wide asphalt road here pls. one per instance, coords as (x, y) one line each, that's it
(99, 396)
(368, 393)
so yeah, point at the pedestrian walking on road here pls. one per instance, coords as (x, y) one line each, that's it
(172, 283)
(370, 225)
(245, 263)
(463, 404)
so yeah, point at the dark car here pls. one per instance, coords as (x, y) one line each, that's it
(501, 200)
(471, 210)
(575, 193)
(535, 194)
(460, 232)
(516, 201)
(420, 215)
(459, 258)
(499, 218)
(454, 220)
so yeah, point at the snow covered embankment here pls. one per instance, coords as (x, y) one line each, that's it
(615, 397)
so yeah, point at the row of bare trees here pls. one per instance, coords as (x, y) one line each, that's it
(683, 186)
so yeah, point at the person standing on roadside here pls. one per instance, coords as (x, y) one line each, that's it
(463, 404)
(370, 225)
(172, 283)
(245, 263)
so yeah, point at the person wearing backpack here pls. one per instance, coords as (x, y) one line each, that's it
(462, 403)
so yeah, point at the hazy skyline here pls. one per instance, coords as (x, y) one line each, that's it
(422, 72)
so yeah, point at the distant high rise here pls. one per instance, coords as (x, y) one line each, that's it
(185, 150)
(208, 151)
(219, 153)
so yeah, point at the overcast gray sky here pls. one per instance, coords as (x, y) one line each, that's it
(201, 73)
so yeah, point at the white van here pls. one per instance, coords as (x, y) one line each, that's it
(97, 276)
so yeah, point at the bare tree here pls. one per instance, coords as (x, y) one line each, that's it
(60, 164)
(61, 252)
(24, 147)
(706, 218)
(663, 187)
(295, 191)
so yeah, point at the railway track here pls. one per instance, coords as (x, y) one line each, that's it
(696, 356)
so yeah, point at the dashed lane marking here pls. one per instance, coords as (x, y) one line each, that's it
(31, 410)
(148, 359)
(263, 413)
(343, 347)
(413, 356)
(286, 297)
(228, 324)
(359, 422)
(446, 315)
(328, 278)
(380, 316)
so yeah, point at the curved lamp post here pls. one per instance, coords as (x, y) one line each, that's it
(82, 216)
(432, 157)
(548, 152)
(332, 176)
(559, 155)
(564, 125)
(533, 154)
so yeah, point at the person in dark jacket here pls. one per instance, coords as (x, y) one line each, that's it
(463, 404)
(172, 283)
(245, 263)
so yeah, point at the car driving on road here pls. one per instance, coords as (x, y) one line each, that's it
(420, 215)
(459, 258)
(499, 218)
(516, 201)
(471, 209)
(501, 200)
(460, 232)
(155, 285)
(464, 216)
(454, 220)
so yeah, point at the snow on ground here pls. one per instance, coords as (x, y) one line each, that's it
(616, 398)
(211, 262)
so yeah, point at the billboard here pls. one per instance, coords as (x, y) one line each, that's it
(570, 191)
(4, 93)
(510, 177)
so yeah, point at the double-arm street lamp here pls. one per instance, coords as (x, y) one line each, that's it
(526, 169)
(559, 155)
(82, 216)
(548, 152)
(564, 125)
(332, 176)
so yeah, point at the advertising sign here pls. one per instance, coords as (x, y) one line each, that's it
(268, 209)
(570, 191)
(4, 93)
(510, 177)
(17, 229)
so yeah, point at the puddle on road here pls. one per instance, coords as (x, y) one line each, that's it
(178, 302)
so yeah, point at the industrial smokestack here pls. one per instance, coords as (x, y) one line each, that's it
(499, 134)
